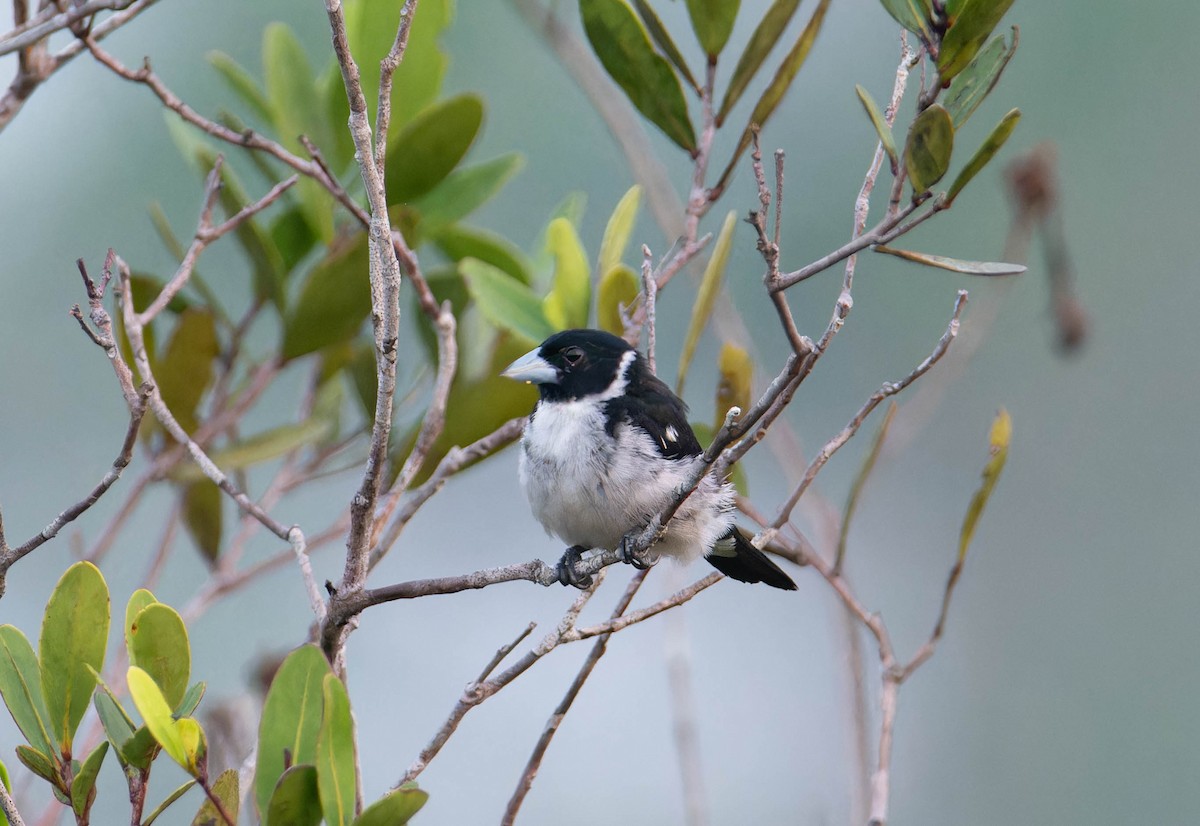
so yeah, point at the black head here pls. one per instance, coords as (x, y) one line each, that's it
(576, 364)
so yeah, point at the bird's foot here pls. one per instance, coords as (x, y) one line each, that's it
(567, 573)
(642, 560)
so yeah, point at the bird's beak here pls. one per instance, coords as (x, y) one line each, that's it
(532, 369)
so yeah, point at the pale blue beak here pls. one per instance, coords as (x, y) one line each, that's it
(531, 368)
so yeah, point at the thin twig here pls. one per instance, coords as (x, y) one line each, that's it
(650, 291)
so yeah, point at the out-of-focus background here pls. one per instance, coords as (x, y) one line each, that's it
(1063, 692)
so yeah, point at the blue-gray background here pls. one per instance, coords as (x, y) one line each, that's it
(1064, 689)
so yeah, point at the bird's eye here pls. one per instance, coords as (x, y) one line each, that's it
(572, 356)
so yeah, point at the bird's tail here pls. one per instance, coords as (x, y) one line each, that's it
(734, 556)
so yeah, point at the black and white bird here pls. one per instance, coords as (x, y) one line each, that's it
(608, 447)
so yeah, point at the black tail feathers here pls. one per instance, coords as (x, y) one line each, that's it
(734, 556)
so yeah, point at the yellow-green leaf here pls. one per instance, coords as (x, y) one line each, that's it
(225, 790)
(930, 144)
(710, 287)
(912, 15)
(505, 302)
(998, 441)
(712, 20)
(167, 801)
(394, 808)
(955, 264)
(159, 646)
(202, 513)
(335, 755)
(138, 600)
(74, 636)
(295, 801)
(463, 191)
(186, 368)
(881, 125)
(21, 688)
(734, 382)
(157, 715)
(968, 30)
(623, 46)
(83, 787)
(766, 35)
(570, 294)
(619, 288)
(973, 84)
(38, 763)
(984, 153)
(459, 242)
(261, 447)
(243, 84)
(431, 146)
(619, 228)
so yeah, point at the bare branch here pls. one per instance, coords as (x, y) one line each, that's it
(650, 291)
(9, 807)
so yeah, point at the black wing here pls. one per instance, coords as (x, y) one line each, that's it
(649, 404)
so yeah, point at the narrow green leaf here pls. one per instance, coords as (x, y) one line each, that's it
(393, 809)
(619, 289)
(930, 144)
(912, 15)
(706, 299)
(261, 447)
(21, 688)
(984, 153)
(295, 801)
(712, 20)
(974, 83)
(291, 719)
(333, 303)
(766, 35)
(203, 516)
(458, 242)
(38, 763)
(74, 636)
(998, 441)
(171, 798)
(156, 714)
(662, 38)
(187, 706)
(570, 295)
(623, 47)
(186, 368)
(954, 264)
(4, 779)
(159, 646)
(463, 191)
(777, 88)
(242, 84)
(860, 481)
(115, 722)
(138, 600)
(881, 126)
(968, 31)
(505, 302)
(225, 790)
(618, 230)
(430, 147)
(83, 787)
(335, 755)
(735, 375)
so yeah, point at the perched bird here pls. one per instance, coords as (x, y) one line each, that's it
(608, 447)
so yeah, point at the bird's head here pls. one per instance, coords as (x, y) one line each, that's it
(576, 364)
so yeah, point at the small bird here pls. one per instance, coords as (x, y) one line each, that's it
(608, 446)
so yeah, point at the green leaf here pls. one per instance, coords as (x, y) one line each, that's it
(225, 790)
(662, 39)
(458, 242)
(954, 264)
(242, 84)
(157, 715)
(619, 288)
(930, 144)
(21, 688)
(171, 798)
(860, 481)
(335, 755)
(159, 646)
(202, 514)
(619, 228)
(975, 82)
(266, 262)
(295, 801)
(291, 719)
(138, 600)
(393, 809)
(784, 75)
(140, 749)
(623, 46)
(291, 235)
(4, 779)
(191, 699)
(766, 35)
(984, 153)
(74, 636)
(505, 302)
(735, 376)
(83, 787)
(333, 303)
(710, 287)
(463, 191)
(570, 294)
(39, 764)
(968, 30)
(261, 447)
(116, 723)
(195, 746)
(712, 20)
(430, 147)
(881, 126)
(186, 368)
(912, 15)
(998, 441)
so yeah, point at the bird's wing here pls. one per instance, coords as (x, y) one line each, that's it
(649, 405)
